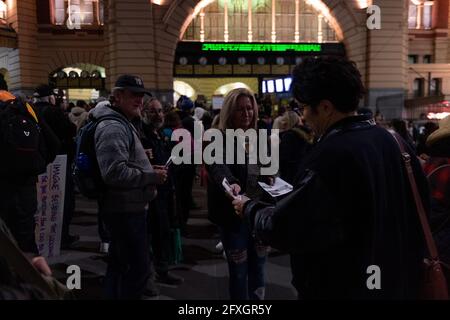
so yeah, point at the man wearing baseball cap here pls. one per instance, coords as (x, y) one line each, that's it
(130, 182)
(131, 83)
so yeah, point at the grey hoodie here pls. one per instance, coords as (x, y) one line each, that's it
(125, 168)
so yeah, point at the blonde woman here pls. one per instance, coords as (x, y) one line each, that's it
(246, 257)
(288, 120)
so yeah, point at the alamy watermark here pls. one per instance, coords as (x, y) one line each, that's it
(374, 20)
(74, 280)
(250, 146)
(374, 280)
(74, 17)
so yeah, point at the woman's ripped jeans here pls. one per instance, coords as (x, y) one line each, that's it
(246, 259)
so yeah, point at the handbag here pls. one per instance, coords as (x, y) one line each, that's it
(434, 284)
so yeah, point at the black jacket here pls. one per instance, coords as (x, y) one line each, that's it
(63, 128)
(154, 140)
(352, 207)
(294, 145)
(220, 209)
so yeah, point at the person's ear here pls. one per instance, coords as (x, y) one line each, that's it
(118, 96)
(327, 107)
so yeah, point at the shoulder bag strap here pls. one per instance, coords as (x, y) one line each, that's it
(431, 246)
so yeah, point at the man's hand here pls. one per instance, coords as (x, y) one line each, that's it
(161, 176)
(41, 265)
(239, 204)
(236, 188)
(149, 153)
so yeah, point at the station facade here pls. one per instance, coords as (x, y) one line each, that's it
(206, 47)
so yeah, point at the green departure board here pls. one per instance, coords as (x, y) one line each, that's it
(272, 47)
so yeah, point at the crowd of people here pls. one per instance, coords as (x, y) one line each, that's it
(352, 205)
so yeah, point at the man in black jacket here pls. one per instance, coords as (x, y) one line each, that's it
(160, 209)
(65, 130)
(22, 161)
(352, 209)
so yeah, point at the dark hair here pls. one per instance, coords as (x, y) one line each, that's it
(81, 103)
(328, 78)
(294, 104)
(400, 127)
(172, 119)
(3, 84)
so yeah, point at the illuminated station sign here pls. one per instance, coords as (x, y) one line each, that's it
(257, 47)
(222, 59)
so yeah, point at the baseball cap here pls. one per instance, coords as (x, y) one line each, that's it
(132, 83)
(43, 90)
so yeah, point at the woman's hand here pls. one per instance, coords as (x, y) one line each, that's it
(239, 203)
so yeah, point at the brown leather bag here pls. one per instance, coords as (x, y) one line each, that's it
(434, 284)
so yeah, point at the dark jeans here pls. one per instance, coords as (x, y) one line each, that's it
(246, 260)
(128, 257)
(159, 230)
(103, 232)
(69, 203)
(18, 206)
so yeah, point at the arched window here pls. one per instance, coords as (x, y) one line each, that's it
(90, 12)
(267, 21)
(3, 10)
(420, 14)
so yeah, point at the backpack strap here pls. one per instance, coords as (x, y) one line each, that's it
(124, 122)
(31, 112)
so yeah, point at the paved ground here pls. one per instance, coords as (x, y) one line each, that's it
(203, 268)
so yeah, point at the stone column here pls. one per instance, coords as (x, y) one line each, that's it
(387, 51)
(25, 67)
(131, 41)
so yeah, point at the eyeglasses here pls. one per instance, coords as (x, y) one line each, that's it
(301, 107)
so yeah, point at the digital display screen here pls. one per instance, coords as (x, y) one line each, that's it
(279, 85)
(287, 84)
(272, 47)
(270, 86)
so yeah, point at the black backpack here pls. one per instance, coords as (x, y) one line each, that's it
(27, 143)
(86, 171)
